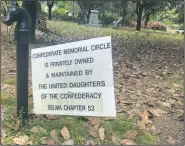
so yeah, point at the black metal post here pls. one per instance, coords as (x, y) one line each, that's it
(22, 54)
(23, 37)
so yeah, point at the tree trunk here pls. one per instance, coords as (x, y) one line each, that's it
(49, 13)
(89, 13)
(83, 11)
(31, 7)
(139, 16)
(147, 20)
(123, 14)
(103, 15)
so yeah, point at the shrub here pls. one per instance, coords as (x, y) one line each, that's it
(109, 18)
(60, 4)
(128, 22)
(181, 27)
(59, 11)
(158, 26)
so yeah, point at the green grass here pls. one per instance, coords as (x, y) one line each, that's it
(75, 30)
(79, 132)
(144, 138)
(76, 126)
(7, 100)
(10, 81)
(120, 126)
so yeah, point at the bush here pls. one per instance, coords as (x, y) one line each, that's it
(59, 11)
(128, 22)
(181, 27)
(158, 26)
(60, 4)
(109, 18)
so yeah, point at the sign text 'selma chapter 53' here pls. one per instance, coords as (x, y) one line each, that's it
(74, 79)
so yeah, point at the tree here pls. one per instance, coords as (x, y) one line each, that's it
(150, 7)
(31, 7)
(153, 7)
(140, 4)
(180, 12)
(50, 5)
(87, 5)
(121, 6)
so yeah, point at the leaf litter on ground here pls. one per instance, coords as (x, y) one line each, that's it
(127, 142)
(51, 117)
(94, 120)
(54, 135)
(143, 119)
(38, 129)
(130, 134)
(65, 133)
(115, 140)
(22, 140)
(102, 133)
(93, 131)
(157, 112)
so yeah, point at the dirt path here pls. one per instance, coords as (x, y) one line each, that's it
(146, 79)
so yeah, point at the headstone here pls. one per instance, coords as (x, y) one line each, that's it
(67, 79)
(115, 23)
(119, 20)
(93, 20)
(70, 14)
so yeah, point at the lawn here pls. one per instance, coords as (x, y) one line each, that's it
(133, 47)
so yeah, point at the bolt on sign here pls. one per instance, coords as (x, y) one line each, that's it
(74, 79)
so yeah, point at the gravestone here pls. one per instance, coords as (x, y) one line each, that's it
(119, 20)
(115, 23)
(93, 20)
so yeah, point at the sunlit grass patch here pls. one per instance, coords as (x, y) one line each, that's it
(7, 99)
(120, 126)
(10, 81)
(144, 138)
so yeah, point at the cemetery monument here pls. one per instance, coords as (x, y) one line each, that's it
(93, 20)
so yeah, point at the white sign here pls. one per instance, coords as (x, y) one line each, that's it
(74, 79)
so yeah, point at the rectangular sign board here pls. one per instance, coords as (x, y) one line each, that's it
(74, 79)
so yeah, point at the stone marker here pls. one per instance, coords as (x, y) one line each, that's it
(93, 20)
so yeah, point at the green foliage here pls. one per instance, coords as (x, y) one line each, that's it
(59, 11)
(19, 3)
(177, 27)
(42, 7)
(181, 27)
(118, 126)
(128, 22)
(180, 14)
(11, 81)
(109, 18)
(144, 138)
(7, 100)
(60, 4)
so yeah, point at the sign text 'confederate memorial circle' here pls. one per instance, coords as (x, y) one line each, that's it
(74, 78)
